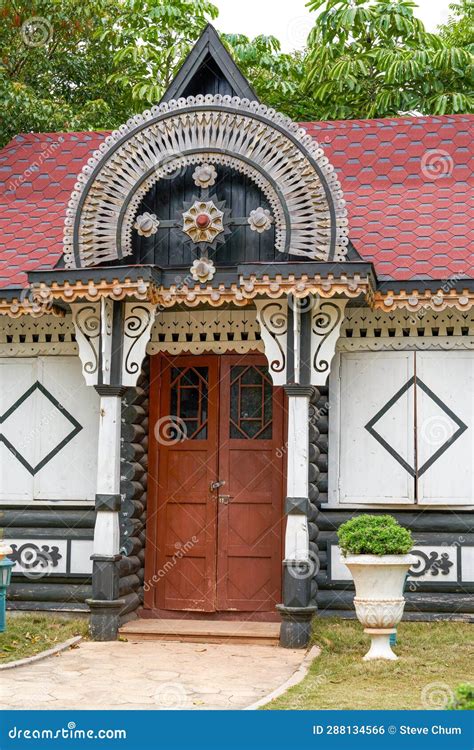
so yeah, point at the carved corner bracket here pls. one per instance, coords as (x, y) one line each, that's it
(112, 338)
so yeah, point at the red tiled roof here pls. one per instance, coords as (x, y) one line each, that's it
(407, 182)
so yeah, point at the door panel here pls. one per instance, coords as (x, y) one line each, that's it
(445, 422)
(217, 418)
(250, 518)
(186, 435)
(377, 445)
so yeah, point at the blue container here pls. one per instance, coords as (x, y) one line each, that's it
(6, 566)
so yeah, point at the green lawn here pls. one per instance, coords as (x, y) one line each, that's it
(433, 659)
(27, 635)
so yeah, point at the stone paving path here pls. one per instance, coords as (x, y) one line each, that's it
(150, 675)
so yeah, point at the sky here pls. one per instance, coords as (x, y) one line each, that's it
(290, 20)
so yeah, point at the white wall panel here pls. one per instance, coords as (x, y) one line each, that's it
(444, 411)
(368, 470)
(48, 431)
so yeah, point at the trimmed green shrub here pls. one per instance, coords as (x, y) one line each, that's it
(374, 535)
(463, 698)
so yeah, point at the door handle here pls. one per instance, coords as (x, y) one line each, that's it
(225, 499)
(215, 485)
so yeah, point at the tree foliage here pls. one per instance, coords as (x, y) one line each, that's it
(69, 65)
(374, 58)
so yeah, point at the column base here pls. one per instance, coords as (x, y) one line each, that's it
(295, 631)
(105, 615)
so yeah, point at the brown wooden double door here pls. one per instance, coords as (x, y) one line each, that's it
(216, 484)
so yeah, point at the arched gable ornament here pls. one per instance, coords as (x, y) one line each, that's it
(290, 168)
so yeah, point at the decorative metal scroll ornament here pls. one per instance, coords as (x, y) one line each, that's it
(304, 196)
(135, 325)
(433, 564)
(326, 319)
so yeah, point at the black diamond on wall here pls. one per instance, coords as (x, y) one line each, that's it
(76, 427)
(417, 383)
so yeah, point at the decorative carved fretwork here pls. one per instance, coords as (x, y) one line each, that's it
(442, 299)
(374, 330)
(138, 320)
(326, 321)
(26, 336)
(289, 167)
(94, 326)
(272, 316)
(86, 318)
(196, 332)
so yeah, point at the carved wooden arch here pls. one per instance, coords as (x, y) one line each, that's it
(283, 160)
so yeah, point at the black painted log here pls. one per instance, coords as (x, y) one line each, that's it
(46, 533)
(131, 471)
(131, 489)
(132, 508)
(133, 433)
(322, 462)
(52, 519)
(135, 414)
(132, 602)
(132, 546)
(421, 602)
(128, 584)
(128, 565)
(132, 451)
(35, 606)
(41, 592)
(425, 521)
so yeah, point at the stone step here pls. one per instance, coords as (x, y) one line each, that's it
(202, 631)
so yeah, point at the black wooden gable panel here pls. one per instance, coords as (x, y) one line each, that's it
(171, 247)
(209, 69)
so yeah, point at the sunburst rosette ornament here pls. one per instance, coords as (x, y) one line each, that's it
(204, 222)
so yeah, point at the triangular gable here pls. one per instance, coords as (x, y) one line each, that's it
(209, 69)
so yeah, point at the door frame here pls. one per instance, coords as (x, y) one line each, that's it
(150, 607)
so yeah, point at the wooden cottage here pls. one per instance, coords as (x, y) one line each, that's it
(222, 334)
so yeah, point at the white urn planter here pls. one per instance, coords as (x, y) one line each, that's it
(379, 600)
